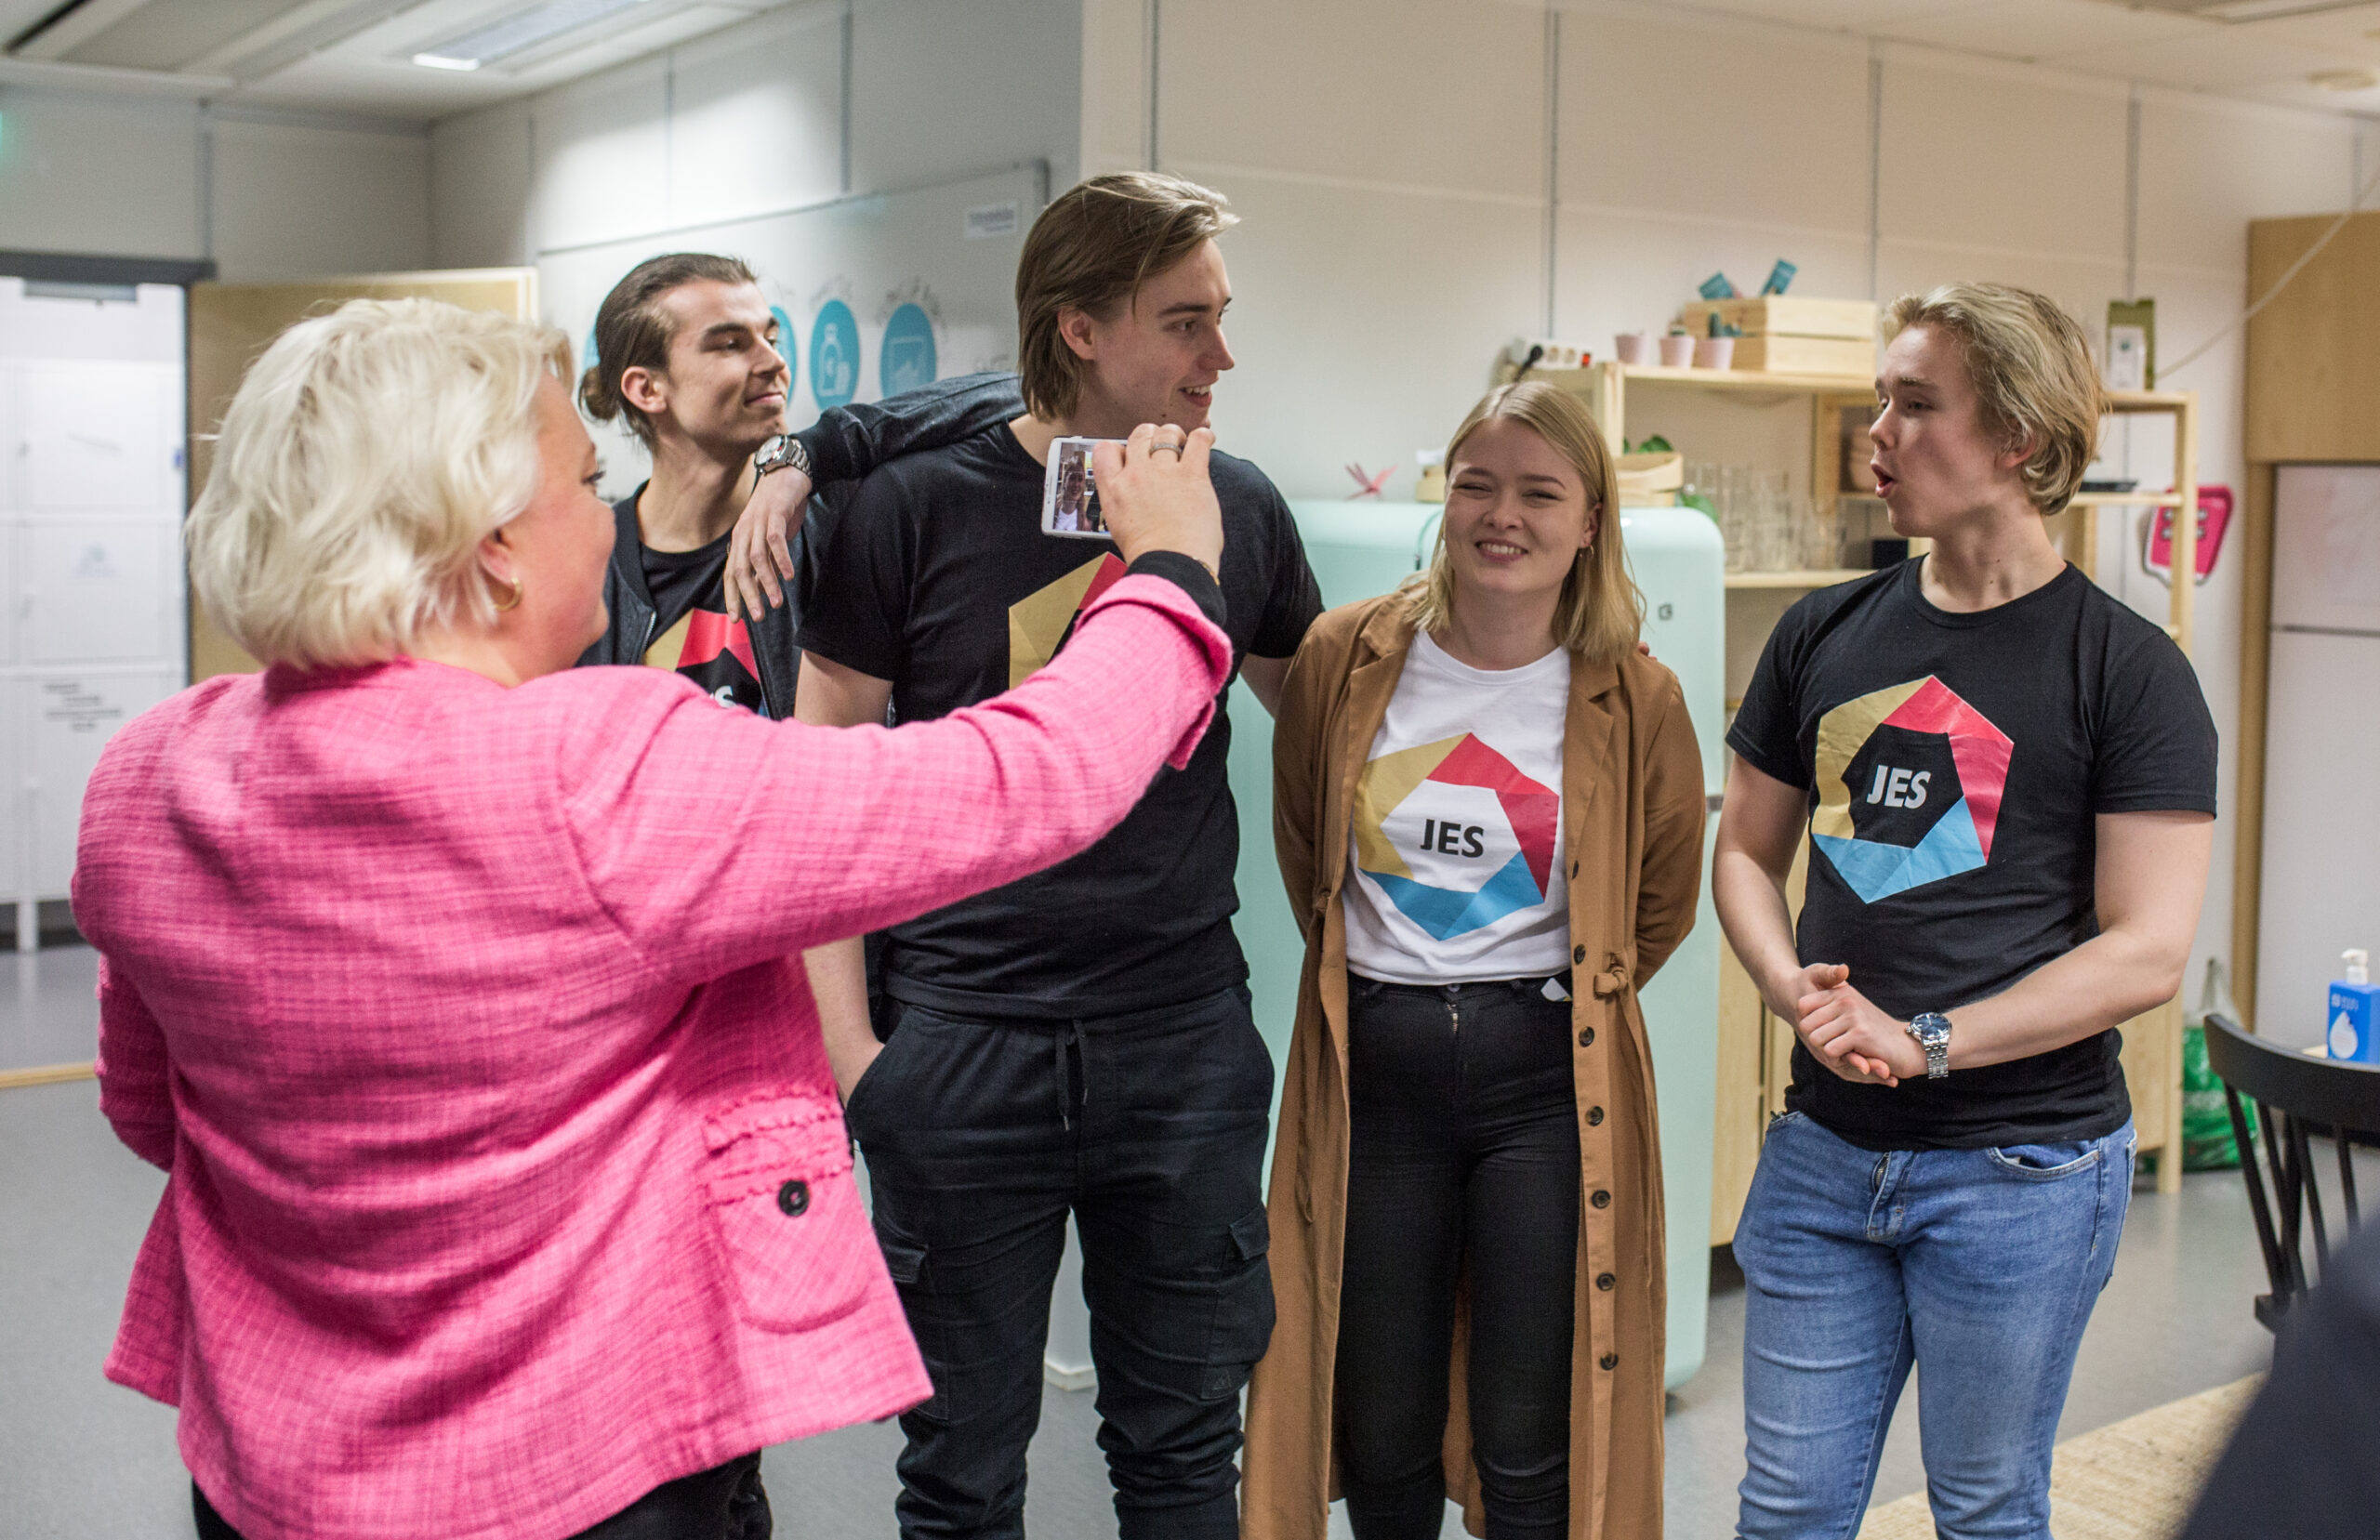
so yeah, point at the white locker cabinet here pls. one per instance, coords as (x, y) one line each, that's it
(91, 578)
(15, 808)
(73, 717)
(99, 590)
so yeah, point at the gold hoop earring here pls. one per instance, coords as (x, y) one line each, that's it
(512, 602)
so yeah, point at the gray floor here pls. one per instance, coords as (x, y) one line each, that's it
(80, 1458)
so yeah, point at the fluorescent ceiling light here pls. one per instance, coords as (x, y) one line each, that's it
(518, 33)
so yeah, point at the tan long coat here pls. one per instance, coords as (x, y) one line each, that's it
(1632, 813)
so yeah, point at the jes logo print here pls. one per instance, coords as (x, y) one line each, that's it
(1933, 770)
(1454, 835)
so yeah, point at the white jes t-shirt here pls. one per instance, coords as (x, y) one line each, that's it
(1456, 864)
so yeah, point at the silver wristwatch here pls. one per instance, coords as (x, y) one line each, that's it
(1932, 1030)
(782, 452)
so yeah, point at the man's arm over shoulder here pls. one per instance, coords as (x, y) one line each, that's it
(846, 442)
(846, 445)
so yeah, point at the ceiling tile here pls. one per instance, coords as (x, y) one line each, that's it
(167, 35)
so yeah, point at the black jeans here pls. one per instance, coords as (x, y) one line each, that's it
(726, 1502)
(1464, 1161)
(981, 1136)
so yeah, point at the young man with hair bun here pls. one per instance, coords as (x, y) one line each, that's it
(686, 357)
(2007, 779)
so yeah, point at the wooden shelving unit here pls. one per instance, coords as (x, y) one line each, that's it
(1754, 1046)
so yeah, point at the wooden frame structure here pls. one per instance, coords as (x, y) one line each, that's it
(2313, 373)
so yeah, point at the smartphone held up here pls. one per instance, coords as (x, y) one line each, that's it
(1070, 491)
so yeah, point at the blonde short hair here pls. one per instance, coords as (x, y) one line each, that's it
(1090, 250)
(1601, 611)
(365, 457)
(2034, 377)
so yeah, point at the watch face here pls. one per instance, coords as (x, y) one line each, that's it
(1931, 1028)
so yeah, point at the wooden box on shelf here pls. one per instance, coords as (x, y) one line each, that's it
(1787, 315)
(1850, 357)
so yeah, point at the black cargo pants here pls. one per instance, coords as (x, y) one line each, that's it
(981, 1136)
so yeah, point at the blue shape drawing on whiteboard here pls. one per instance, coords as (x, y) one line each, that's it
(785, 338)
(909, 351)
(834, 355)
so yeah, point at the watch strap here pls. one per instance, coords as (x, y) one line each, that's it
(784, 452)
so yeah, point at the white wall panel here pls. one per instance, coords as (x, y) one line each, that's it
(1621, 271)
(308, 203)
(1992, 159)
(481, 182)
(1361, 320)
(2081, 283)
(1414, 93)
(95, 173)
(943, 88)
(756, 119)
(1754, 124)
(2208, 167)
(602, 158)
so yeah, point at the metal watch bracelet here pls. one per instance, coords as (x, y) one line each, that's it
(782, 453)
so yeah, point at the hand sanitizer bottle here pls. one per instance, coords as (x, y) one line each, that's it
(2353, 1011)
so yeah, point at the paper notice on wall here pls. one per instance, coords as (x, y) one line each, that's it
(989, 221)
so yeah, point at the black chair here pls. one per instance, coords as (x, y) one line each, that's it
(2296, 1095)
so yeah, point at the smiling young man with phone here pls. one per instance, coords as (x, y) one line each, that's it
(1079, 1042)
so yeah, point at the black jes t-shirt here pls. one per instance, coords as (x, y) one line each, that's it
(690, 631)
(937, 578)
(1956, 764)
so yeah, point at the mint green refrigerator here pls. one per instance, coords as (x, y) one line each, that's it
(1362, 548)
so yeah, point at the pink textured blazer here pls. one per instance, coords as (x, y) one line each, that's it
(507, 1180)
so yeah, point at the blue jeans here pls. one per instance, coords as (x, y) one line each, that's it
(1982, 1265)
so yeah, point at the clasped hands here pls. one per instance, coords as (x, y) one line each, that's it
(1847, 1032)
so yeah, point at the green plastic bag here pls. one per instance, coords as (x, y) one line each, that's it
(2207, 1142)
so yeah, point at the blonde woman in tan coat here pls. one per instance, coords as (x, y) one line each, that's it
(1489, 808)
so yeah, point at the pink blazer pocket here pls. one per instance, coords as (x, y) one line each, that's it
(786, 1212)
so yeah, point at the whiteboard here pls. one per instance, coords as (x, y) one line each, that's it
(876, 294)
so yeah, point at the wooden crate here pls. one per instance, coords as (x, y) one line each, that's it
(1788, 315)
(1776, 354)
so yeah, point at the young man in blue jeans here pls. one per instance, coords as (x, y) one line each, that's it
(2008, 783)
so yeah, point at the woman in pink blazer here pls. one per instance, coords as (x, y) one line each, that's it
(459, 991)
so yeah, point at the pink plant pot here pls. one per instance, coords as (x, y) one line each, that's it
(1677, 351)
(1633, 348)
(1714, 352)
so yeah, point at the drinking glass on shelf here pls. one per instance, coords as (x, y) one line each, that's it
(1734, 499)
(1820, 524)
(1773, 544)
